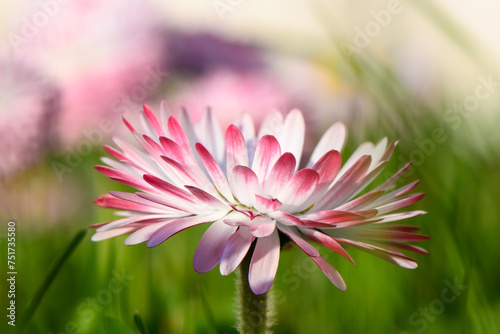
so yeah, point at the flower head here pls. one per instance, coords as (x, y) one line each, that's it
(249, 188)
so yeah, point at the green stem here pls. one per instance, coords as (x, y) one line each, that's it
(53, 271)
(254, 309)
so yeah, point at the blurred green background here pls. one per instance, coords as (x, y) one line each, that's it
(426, 74)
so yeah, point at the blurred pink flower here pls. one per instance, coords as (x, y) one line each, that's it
(102, 55)
(29, 111)
(230, 93)
(250, 191)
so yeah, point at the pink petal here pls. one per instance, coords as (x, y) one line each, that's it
(264, 263)
(168, 188)
(245, 185)
(235, 250)
(342, 188)
(115, 153)
(291, 137)
(401, 203)
(332, 216)
(122, 176)
(98, 236)
(280, 174)
(330, 272)
(180, 224)
(211, 245)
(210, 132)
(401, 216)
(177, 133)
(153, 120)
(396, 258)
(236, 148)
(207, 198)
(333, 139)
(142, 219)
(136, 199)
(261, 227)
(327, 241)
(175, 151)
(266, 204)
(327, 167)
(298, 190)
(267, 152)
(108, 201)
(215, 172)
(361, 201)
(143, 234)
(293, 234)
(393, 179)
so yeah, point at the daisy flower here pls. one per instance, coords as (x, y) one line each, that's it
(250, 191)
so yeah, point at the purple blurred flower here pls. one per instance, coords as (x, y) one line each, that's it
(28, 114)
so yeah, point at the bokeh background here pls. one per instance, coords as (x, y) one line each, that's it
(424, 72)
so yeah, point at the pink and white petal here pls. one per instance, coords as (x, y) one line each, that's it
(266, 204)
(98, 236)
(362, 201)
(245, 123)
(143, 234)
(280, 174)
(236, 148)
(326, 241)
(209, 131)
(293, 234)
(394, 257)
(175, 151)
(333, 139)
(264, 263)
(342, 188)
(393, 179)
(389, 197)
(153, 121)
(165, 115)
(143, 219)
(291, 138)
(244, 185)
(364, 149)
(272, 124)
(208, 199)
(296, 192)
(211, 245)
(172, 203)
(181, 224)
(177, 134)
(169, 188)
(115, 153)
(267, 152)
(215, 172)
(119, 175)
(330, 272)
(261, 227)
(400, 203)
(327, 167)
(286, 218)
(401, 216)
(378, 152)
(108, 201)
(388, 235)
(134, 198)
(235, 250)
(332, 216)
